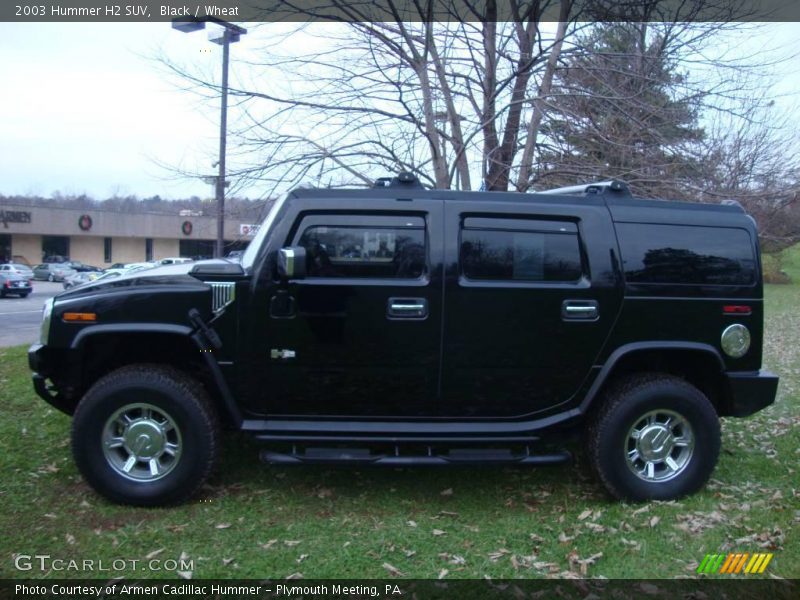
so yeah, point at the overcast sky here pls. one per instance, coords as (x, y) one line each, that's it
(84, 108)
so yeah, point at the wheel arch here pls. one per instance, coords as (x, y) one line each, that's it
(103, 348)
(699, 364)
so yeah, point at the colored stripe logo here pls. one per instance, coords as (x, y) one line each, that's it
(735, 563)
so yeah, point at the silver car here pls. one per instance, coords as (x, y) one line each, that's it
(52, 271)
(17, 269)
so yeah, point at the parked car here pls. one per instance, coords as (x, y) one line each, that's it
(468, 328)
(18, 269)
(11, 283)
(81, 267)
(172, 261)
(80, 278)
(55, 258)
(52, 271)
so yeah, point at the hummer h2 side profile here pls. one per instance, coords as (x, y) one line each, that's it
(405, 326)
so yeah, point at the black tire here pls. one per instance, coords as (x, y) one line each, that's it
(624, 407)
(50, 278)
(25, 295)
(172, 393)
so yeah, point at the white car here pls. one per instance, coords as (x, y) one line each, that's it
(172, 260)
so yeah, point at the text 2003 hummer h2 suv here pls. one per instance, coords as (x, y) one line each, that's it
(405, 326)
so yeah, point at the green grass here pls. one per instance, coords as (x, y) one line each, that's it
(256, 521)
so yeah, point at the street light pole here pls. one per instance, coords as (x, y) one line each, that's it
(223, 133)
(230, 34)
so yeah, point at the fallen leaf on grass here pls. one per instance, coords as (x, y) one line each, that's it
(154, 553)
(184, 574)
(438, 532)
(585, 514)
(227, 561)
(411, 523)
(223, 525)
(394, 571)
(654, 521)
(70, 539)
(447, 492)
(443, 573)
(268, 545)
(301, 558)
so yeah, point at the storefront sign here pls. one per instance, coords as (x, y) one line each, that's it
(248, 230)
(14, 216)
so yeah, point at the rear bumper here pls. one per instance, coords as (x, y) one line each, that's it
(751, 391)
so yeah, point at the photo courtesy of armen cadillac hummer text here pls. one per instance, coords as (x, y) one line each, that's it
(402, 326)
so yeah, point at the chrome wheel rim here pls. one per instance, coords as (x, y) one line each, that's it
(659, 445)
(141, 442)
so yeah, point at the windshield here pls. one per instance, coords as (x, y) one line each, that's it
(250, 254)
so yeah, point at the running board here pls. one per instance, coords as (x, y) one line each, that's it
(366, 457)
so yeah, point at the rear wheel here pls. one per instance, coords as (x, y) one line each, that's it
(655, 437)
(145, 435)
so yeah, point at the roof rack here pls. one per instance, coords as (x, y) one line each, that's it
(601, 187)
(404, 179)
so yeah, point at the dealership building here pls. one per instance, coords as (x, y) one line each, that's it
(100, 237)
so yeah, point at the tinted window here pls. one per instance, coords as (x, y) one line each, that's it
(552, 255)
(682, 254)
(368, 251)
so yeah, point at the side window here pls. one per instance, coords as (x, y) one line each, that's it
(686, 254)
(364, 247)
(520, 250)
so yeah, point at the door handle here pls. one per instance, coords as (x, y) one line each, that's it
(407, 308)
(579, 310)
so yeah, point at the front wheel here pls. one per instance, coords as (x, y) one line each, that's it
(655, 437)
(50, 278)
(145, 435)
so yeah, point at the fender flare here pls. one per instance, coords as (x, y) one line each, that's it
(627, 349)
(228, 405)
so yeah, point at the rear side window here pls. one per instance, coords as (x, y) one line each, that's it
(686, 254)
(520, 250)
(364, 247)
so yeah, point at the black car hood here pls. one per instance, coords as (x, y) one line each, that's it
(164, 275)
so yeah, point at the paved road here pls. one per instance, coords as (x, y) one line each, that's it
(20, 317)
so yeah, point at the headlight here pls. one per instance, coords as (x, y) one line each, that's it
(47, 312)
(736, 340)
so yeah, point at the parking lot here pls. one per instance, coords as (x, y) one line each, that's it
(20, 317)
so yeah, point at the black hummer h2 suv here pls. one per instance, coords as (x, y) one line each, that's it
(405, 326)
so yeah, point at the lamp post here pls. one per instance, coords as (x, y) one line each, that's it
(229, 34)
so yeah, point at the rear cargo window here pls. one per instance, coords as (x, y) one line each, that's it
(686, 254)
(551, 255)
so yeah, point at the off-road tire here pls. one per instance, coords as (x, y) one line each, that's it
(168, 389)
(622, 405)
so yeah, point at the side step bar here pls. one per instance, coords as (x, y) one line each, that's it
(364, 456)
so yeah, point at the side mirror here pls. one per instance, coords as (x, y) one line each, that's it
(292, 262)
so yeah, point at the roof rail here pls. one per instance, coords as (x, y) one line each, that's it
(404, 179)
(600, 187)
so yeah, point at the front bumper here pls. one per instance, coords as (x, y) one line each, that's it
(751, 391)
(41, 365)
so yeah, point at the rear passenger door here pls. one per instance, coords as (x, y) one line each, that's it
(529, 303)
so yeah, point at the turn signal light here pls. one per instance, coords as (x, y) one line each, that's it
(76, 316)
